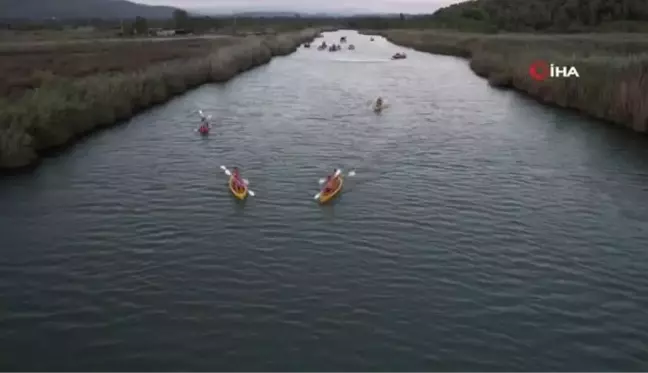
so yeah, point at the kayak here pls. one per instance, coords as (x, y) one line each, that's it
(203, 130)
(239, 192)
(327, 196)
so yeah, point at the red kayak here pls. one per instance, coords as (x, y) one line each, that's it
(203, 130)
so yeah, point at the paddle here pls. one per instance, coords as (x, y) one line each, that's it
(337, 173)
(229, 173)
(202, 115)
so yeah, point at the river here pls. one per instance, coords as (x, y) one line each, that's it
(482, 231)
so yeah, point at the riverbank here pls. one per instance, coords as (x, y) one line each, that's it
(78, 98)
(613, 68)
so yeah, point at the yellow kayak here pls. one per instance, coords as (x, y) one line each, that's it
(327, 196)
(238, 191)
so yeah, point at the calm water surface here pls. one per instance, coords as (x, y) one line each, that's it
(483, 231)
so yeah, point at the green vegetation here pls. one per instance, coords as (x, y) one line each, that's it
(99, 86)
(492, 16)
(549, 15)
(613, 68)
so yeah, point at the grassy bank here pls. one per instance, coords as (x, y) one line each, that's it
(79, 88)
(613, 68)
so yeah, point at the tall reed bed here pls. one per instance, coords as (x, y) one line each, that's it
(613, 68)
(26, 66)
(62, 109)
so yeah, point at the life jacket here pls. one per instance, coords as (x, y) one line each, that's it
(238, 181)
(331, 183)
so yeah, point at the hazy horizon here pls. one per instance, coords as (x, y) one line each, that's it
(314, 6)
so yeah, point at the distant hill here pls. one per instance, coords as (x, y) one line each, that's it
(279, 12)
(265, 14)
(69, 9)
(545, 15)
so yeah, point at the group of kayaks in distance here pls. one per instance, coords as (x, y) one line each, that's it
(331, 48)
(336, 47)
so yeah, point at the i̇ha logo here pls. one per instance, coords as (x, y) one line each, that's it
(542, 70)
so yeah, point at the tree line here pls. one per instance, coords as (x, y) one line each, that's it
(523, 16)
(547, 15)
(181, 20)
(475, 16)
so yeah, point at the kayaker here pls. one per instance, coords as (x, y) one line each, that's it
(379, 104)
(204, 125)
(237, 178)
(330, 181)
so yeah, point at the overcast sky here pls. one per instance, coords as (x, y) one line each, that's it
(389, 6)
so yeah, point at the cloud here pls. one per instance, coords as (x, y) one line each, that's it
(391, 6)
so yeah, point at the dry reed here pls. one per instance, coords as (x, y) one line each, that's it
(64, 107)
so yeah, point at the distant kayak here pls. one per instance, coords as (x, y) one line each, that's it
(399, 56)
(204, 124)
(328, 194)
(238, 189)
(379, 108)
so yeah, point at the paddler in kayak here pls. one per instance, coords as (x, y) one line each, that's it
(204, 126)
(379, 104)
(238, 181)
(331, 182)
